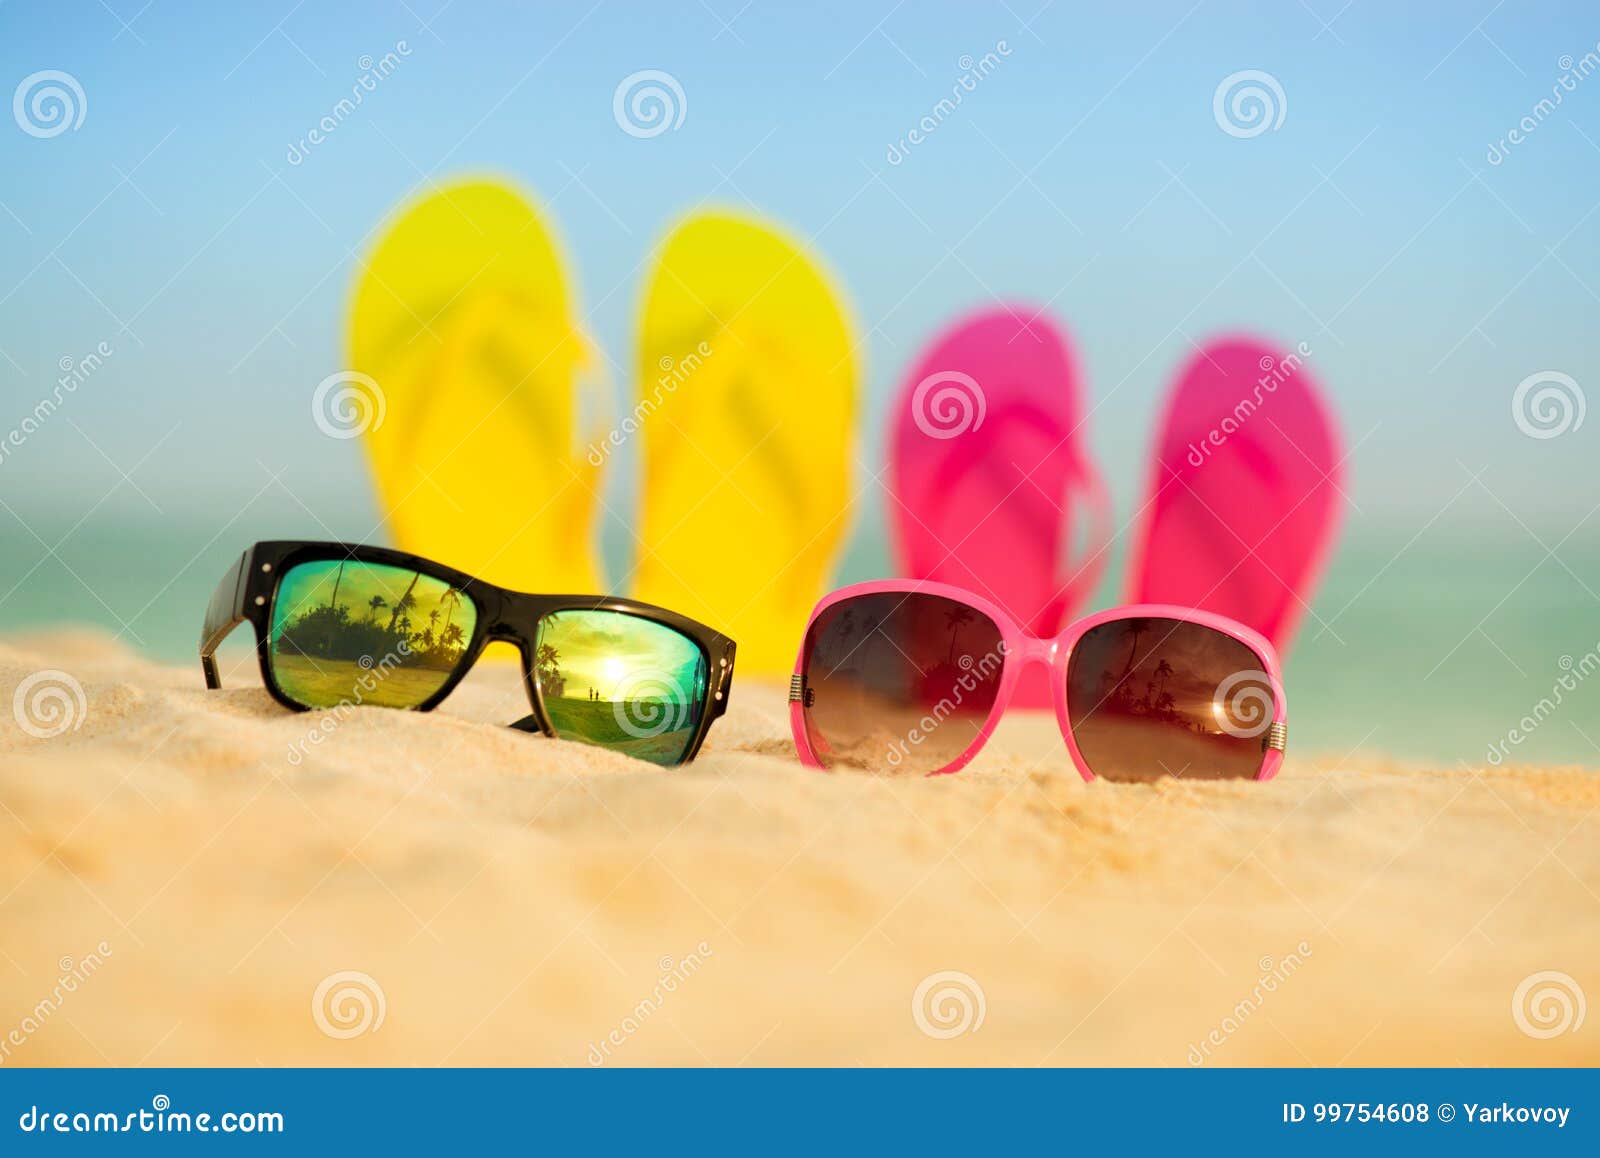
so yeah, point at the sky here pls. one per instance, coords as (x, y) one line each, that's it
(1388, 221)
(1085, 171)
(621, 657)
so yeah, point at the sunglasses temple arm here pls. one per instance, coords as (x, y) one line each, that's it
(224, 614)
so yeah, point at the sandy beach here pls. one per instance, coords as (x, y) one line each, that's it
(426, 889)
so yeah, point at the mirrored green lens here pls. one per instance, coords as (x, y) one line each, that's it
(622, 682)
(366, 633)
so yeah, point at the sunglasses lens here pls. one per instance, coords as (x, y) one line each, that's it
(898, 681)
(1164, 697)
(366, 633)
(622, 682)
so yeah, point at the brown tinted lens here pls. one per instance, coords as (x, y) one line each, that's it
(899, 682)
(1164, 697)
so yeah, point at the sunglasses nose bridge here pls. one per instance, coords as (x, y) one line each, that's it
(519, 634)
(1034, 650)
(513, 633)
(515, 622)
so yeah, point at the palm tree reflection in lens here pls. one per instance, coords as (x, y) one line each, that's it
(900, 681)
(622, 682)
(329, 642)
(1141, 711)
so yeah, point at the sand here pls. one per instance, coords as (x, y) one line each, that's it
(501, 898)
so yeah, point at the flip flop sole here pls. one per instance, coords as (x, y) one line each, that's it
(986, 465)
(747, 411)
(1243, 502)
(461, 318)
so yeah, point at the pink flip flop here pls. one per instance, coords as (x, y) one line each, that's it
(1243, 504)
(986, 466)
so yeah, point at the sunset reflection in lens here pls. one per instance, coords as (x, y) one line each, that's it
(1153, 697)
(622, 682)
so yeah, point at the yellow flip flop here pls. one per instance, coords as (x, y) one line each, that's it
(462, 322)
(747, 415)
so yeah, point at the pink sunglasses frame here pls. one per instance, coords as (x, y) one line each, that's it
(1023, 649)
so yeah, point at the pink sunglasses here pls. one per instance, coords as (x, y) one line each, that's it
(914, 676)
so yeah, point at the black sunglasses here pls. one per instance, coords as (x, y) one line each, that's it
(350, 625)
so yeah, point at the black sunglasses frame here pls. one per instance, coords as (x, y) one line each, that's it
(247, 592)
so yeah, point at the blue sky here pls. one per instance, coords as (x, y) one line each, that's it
(1086, 170)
